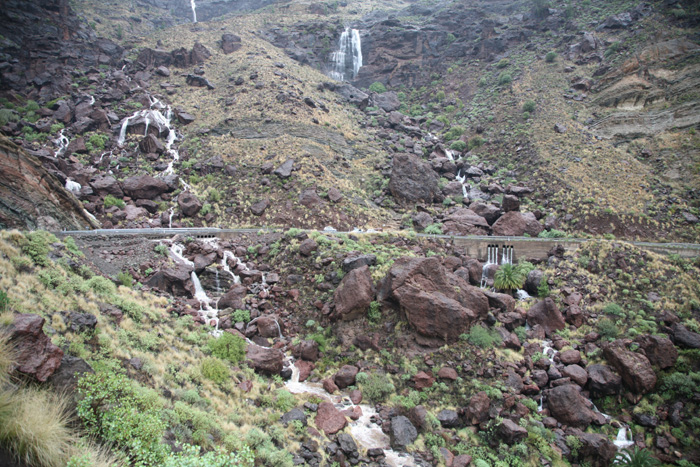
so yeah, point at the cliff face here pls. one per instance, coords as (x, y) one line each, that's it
(30, 198)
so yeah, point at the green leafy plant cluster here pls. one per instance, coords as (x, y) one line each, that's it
(111, 200)
(377, 87)
(375, 387)
(228, 347)
(482, 337)
(509, 277)
(119, 411)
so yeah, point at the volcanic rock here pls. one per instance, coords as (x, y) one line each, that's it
(412, 179)
(403, 432)
(189, 204)
(515, 224)
(264, 360)
(546, 314)
(436, 303)
(354, 294)
(34, 353)
(329, 419)
(144, 187)
(567, 405)
(635, 369)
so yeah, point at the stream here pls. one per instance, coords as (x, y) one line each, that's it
(367, 435)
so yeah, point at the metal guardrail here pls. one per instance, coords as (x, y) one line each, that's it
(688, 249)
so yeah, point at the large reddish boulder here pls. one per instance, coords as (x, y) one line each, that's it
(35, 354)
(264, 360)
(569, 407)
(144, 187)
(233, 298)
(423, 380)
(106, 185)
(659, 350)
(516, 224)
(189, 204)
(635, 369)
(436, 303)
(345, 376)
(329, 419)
(464, 221)
(546, 314)
(412, 179)
(603, 381)
(478, 409)
(354, 294)
(268, 326)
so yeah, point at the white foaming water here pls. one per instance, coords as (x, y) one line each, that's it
(507, 257)
(170, 217)
(522, 295)
(73, 187)
(279, 330)
(176, 251)
(194, 11)
(548, 351)
(463, 180)
(62, 142)
(491, 259)
(92, 100)
(621, 441)
(224, 264)
(368, 435)
(349, 49)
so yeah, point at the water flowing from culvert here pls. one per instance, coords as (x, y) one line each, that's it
(348, 58)
(368, 435)
(194, 11)
(491, 260)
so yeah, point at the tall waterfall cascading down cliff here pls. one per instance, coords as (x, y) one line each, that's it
(194, 11)
(347, 60)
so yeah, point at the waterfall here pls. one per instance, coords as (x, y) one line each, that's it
(492, 259)
(224, 264)
(522, 295)
(348, 57)
(62, 143)
(507, 257)
(170, 217)
(194, 11)
(463, 180)
(366, 433)
(621, 441)
(155, 116)
(73, 187)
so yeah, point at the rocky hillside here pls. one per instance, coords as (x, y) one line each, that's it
(283, 346)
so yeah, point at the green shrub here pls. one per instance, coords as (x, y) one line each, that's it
(458, 146)
(529, 106)
(377, 387)
(206, 209)
(607, 328)
(454, 133)
(680, 384)
(285, 400)
(374, 312)
(476, 142)
(214, 195)
(509, 277)
(550, 57)
(505, 78)
(37, 246)
(190, 456)
(554, 233)
(613, 309)
(434, 229)
(7, 116)
(240, 316)
(228, 347)
(111, 200)
(161, 249)
(120, 412)
(102, 286)
(635, 457)
(440, 96)
(4, 301)
(543, 288)
(612, 49)
(215, 369)
(504, 62)
(377, 87)
(125, 279)
(96, 141)
(482, 337)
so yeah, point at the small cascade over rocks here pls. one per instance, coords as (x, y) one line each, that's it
(366, 433)
(622, 441)
(73, 187)
(347, 60)
(194, 11)
(62, 143)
